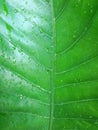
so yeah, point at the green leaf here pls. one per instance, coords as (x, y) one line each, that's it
(48, 65)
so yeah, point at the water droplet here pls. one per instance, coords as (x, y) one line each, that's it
(96, 122)
(14, 61)
(61, 80)
(85, 11)
(38, 86)
(74, 36)
(26, 2)
(33, 52)
(90, 116)
(88, 4)
(52, 45)
(14, 47)
(79, 1)
(48, 70)
(89, 38)
(80, 115)
(85, 28)
(19, 50)
(23, 9)
(55, 54)
(16, 10)
(33, 24)
(5, 9)
(47, 50)
(21, 97)
(91, 10)
(41, 31)
(76, 5)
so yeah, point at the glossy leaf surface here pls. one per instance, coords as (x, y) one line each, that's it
(48, 65)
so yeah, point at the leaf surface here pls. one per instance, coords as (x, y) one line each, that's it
(49, 65)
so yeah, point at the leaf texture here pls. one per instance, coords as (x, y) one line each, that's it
(49, 65)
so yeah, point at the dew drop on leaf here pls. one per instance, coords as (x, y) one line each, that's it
(41, 31)
(85, 11)
(85, 28)
(20, 96)
(90, 116)
(23, 9)
(47, 49)
(96, 123)
(61, 80)
(76, 5)
(16, 10)
(74, 36)
(14, 61)
(79, 1)
(26, 2)
(38, 86)
(14, 47)
(88, 4)
(91, 10)
(19, 50)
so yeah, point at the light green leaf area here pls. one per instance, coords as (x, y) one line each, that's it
(48, 64)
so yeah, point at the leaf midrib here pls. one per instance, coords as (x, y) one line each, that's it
(52, 84)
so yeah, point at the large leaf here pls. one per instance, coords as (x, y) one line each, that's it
(48, 65)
